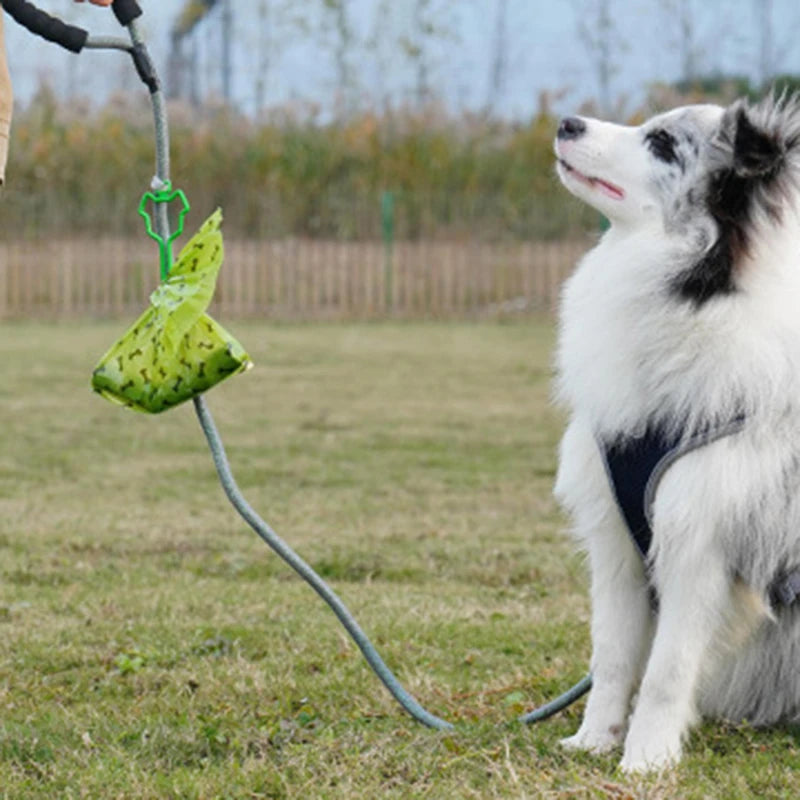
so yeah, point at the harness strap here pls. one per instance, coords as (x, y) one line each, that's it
(635, 466)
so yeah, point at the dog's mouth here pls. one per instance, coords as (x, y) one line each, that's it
(608, 189)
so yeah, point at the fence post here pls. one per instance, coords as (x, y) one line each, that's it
(387, 226)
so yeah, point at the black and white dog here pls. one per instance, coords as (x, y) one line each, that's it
(679, 363)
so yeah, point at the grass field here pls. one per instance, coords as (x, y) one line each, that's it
(152, 647)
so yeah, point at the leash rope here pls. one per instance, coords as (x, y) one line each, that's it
(75, 39)
(307, 573)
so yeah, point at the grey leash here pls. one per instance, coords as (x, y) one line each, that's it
(75, 39)
(327, 594)
(307, 573)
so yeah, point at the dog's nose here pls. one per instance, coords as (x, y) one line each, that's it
(571, 128)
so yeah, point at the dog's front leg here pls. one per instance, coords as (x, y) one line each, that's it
(621, 616)
(693, 599)
(621, 636)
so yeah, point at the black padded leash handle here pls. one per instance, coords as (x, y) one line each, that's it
(70, 37)
(42, 24)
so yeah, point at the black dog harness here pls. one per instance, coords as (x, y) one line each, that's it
(635, 466)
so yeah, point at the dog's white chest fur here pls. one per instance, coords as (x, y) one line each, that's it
(607, 336)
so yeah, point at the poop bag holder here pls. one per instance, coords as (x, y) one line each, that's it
(174, 351)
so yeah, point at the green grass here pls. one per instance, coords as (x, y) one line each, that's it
(152, 647)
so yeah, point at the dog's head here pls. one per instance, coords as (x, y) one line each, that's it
(710, 178)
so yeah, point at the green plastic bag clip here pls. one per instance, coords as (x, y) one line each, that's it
(158, 197)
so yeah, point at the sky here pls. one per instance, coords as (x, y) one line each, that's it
(547, 49)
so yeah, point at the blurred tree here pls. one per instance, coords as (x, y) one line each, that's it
(498, 64)
(766, 41)
(182, 70)
(683, 17)
(264, 53)
(693, 37)
(381, 45)
(344, 44)
(184, 63)
(416, 49)
(601, 38)
(227, 50)
(772, 48)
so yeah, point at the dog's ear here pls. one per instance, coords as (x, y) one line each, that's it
(757, 152)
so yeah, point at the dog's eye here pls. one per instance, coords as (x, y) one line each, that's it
(662, 145)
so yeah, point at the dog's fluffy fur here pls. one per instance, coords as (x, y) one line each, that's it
(685, 315)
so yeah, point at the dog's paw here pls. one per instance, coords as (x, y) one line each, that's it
(651, 753)
(595, 741)
(655, 738)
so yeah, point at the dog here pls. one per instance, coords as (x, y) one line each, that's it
(678, 362)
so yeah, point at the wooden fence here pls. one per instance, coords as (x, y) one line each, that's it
(292, 278)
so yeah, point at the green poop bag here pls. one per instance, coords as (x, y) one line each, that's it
(174, 351)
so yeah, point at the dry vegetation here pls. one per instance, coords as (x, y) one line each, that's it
(79, 169)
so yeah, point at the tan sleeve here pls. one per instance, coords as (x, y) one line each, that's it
(6, 103)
